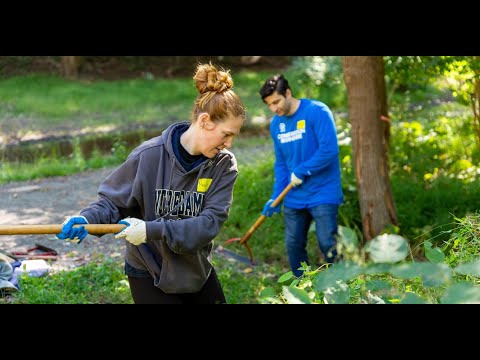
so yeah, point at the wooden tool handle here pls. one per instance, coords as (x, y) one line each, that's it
(254, 227)
(94, 229)
(262, 218)
(282, 195)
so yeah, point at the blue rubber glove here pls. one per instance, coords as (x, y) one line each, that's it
(268, 210)
(73, 234)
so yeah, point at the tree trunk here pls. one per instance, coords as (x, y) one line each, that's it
(70, 66)
(367, 107)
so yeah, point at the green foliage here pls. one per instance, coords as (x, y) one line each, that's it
(77, 156)
(461, 293)
(349, 211)
(460, 76)
(412, 77)
(410, 70)
(318, 77)
(243, 283)
(433, 254)
(432, 160)
(387, 278)
(464, 244)
(387, 248)
(48, 167)
(100, 281)
(350, 239)
(54, 100)
(120, 150)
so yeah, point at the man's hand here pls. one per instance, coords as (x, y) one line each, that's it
(71, 233)
(135, 232)
(268, 210)
(295, 180)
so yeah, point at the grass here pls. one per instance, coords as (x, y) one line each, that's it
(100, 281)
(39, 103)
(48, 166)
(243, 283)
(54, 100)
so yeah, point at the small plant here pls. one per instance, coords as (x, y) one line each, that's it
(119, 150)
(464, 246)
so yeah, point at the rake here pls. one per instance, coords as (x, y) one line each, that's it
(243, 240)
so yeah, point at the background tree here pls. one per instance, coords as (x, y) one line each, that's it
(367, 108)
(70, 66)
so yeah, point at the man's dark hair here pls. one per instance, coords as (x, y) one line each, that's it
(276, 83)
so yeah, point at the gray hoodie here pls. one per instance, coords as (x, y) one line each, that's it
(183, 211)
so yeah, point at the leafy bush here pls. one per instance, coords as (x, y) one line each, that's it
(386, 277)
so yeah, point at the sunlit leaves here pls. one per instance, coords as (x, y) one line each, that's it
(285, 277)
(471, 268)
(461, 293)
(387, 248)
(431, 274)
(412, 298)
(294, 295)
(434, 254)
(348, 238)
(341, 271)
(337, 295)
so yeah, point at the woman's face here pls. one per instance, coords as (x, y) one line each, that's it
(217, 136)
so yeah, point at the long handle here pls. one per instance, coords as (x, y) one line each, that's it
(262, 218)
(94, 229)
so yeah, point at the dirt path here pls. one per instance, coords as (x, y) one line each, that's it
(48, 201)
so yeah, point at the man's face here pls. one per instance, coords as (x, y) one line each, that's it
(279, 104)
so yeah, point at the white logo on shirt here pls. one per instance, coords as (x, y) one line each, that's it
(291, 136)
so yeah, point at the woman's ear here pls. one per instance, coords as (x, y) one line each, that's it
(206, 122)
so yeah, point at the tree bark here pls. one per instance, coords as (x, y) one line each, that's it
(70, 65)
(367, 107)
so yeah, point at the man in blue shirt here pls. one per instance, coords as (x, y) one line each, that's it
(306, 155)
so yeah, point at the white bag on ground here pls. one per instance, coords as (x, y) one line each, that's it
(36, 268)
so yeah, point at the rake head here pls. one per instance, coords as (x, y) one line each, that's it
(250, 253)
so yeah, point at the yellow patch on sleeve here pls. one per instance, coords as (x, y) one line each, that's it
(203, 184)
(300, 124)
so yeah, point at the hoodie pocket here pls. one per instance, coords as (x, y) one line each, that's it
(184, 273)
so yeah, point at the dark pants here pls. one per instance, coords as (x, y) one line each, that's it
(145, 292)
(297, 223)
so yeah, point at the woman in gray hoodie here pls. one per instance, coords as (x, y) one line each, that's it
(174, 193)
